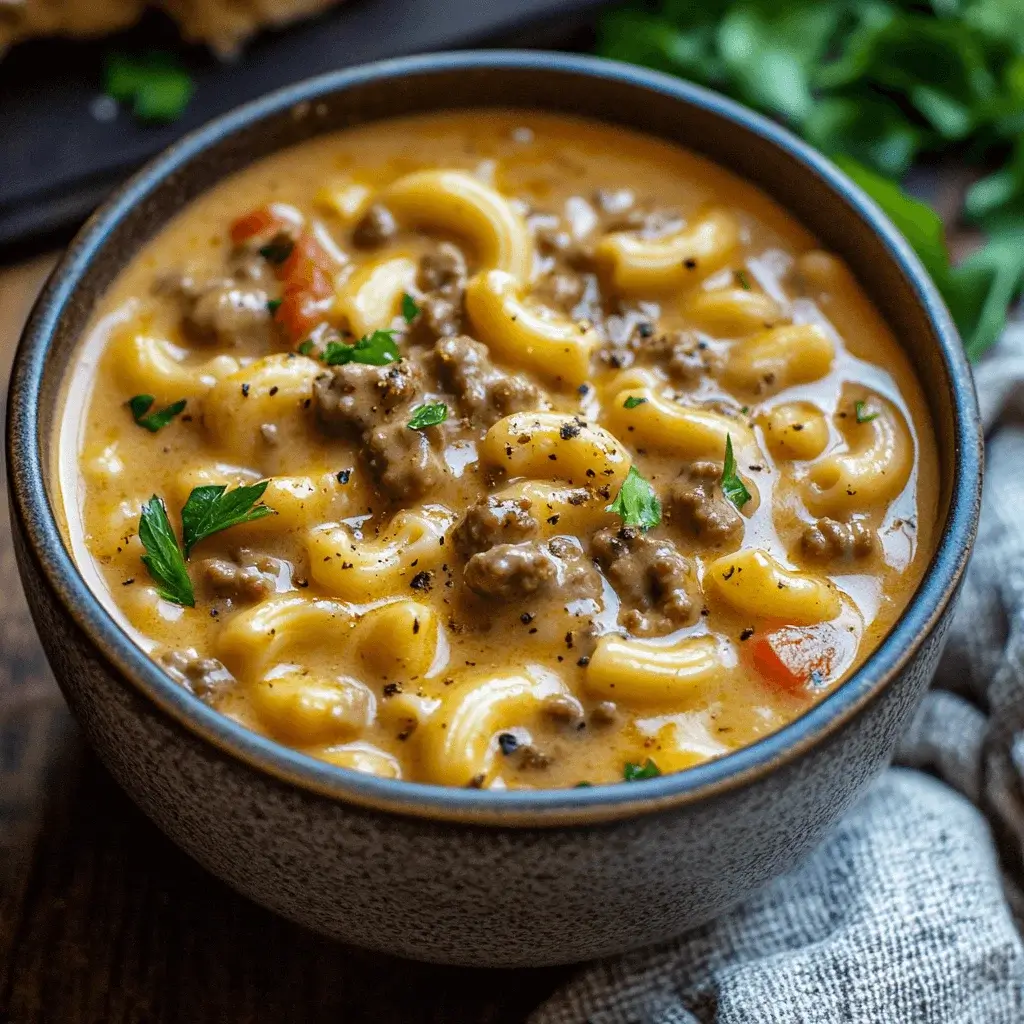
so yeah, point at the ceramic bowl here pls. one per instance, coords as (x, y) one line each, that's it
(471, 876)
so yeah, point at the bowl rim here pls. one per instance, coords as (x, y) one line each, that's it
(31, 507)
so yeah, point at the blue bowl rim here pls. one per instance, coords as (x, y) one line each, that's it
(545, 808)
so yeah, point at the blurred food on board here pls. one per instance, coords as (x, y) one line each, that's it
(224, 25)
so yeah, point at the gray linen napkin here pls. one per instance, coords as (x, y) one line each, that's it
(905, 913)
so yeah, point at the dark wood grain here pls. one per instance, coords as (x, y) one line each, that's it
(104, 921)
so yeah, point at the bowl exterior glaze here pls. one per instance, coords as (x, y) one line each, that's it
(462, 876)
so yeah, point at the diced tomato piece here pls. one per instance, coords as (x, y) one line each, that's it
(795, 658)
(308, 276)
(265, 220)
(300, 312)
(309, 266)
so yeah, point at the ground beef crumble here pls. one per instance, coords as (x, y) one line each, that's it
(484, 392)
(652, 579)
(695, 502)
(374, 404)
(828, 540)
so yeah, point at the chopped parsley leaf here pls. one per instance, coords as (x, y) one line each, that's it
(743, 280)
(306, 347)
(636, 503)
(637, 772)
(429, 415)
(140, 406)
(156, 87)
(377, 349)
(163, 558)
(732, 486)
(273, 305)
(213, 508)
(633, 401)
(409, 308)
(859, 409)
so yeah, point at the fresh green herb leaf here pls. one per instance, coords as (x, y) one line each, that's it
(306, 347)
(277, 250)
(337, 353)
(163, 558)
(377, 349)
(636, 503)
(429, 415)
(213, 508)
(732, 486)
(583, 785)
(273, 305)
(633, 401)
(637, 772)
(409, 308)
(156, 86)
(141, 404)
(743, 280)
(861, 413)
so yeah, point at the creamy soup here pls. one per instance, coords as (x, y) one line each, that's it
(497, 449)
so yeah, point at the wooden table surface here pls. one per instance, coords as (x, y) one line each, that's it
(104, 921)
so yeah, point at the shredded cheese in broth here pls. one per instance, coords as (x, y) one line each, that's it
(516, 451)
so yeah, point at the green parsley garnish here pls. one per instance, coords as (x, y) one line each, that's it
(732, 486)
(306, 347)
(860, 413)
(277, 250)
(213, 508)
(429, 415)
(156, 87)
(140, 406)
(377, 349)
(273, 305)
(636, 503)
(633, 401)
(409, 308)
(583, 785)
(743, 280)
(637, 772)
(163, 557)
(208, 510)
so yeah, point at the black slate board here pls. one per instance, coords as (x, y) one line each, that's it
(57, 161)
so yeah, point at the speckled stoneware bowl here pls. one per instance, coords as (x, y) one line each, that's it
(471, 876)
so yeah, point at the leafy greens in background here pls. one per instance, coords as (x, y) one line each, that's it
(875, 84)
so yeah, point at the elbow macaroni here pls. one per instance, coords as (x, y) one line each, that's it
(370, 298)
(545, 343)
(362, 570)
(795, 430)
(756, 584)
(155, 366)
(732, 312)
(779, 358)
(458, 744)
(641, 674)
(550, 446)
(687, 431)
(276, 390)
(457, 202)
(636, 265)
(874, 467)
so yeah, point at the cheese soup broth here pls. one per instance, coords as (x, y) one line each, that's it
(509, 545)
